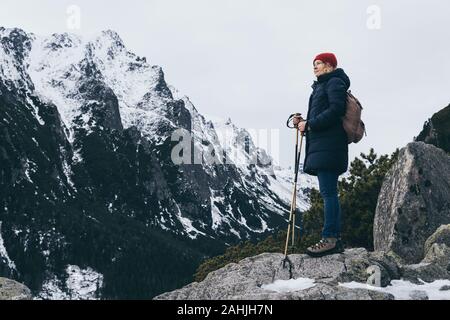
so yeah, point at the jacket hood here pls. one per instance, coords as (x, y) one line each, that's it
(338, 73)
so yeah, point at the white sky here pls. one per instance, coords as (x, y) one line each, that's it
(251, 60)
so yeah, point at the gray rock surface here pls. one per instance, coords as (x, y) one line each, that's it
(413, 202)
(440, 236)
(12, 290)
(419, 295)
(245, 280)
(439, 253)
(427, 272)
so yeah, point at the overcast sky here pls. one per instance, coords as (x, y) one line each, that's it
(251, 60)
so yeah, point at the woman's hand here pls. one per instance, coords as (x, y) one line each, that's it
(299, 122)
(302, 126)
(297, 119)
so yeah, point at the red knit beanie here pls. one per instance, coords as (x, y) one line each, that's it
(327, 57)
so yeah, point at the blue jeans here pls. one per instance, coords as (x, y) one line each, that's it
(332, 209)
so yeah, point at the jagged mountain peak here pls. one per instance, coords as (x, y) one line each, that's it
(15, 42)
(12, 32)
(197, 118)
(59, 40)
(108, 44)
(112, 35)
(15, 46)
(60, 63)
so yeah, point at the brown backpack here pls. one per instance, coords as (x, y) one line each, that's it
(352, 123)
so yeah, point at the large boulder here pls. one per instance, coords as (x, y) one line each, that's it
(12, 290)
(413, 202)
(441, 236)
(437, 250)
(252, 278)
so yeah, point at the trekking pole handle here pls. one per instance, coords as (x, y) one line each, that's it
(291, 118)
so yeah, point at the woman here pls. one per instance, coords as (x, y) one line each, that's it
(326, 145)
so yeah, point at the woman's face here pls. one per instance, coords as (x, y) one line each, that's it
(321, 68)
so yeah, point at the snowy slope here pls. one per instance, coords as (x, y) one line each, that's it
(256, 171)
(59, 64)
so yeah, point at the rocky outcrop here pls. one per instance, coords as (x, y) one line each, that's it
(440, 237)
(12, 290)
(413, 202)
(355, 274)
(412, 248)
(251, 278)
(437, 253)
(436, 131)
(436, 263)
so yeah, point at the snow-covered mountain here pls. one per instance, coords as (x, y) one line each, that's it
(89, 185)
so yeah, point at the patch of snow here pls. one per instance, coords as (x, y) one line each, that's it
(233, 231)
(35, 141)
(67, 170)
(216, 215)
(76, 156)
(29, 166)
(402, 289)
(35, 111)
(264, 225)
(4, 253)
(191, 231)
(162, 224)
(290, 285)
(92, 218)
(51, 290)
(81, 284)
(219, 218)
(243, 222)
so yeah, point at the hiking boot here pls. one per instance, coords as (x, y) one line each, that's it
(325, 247)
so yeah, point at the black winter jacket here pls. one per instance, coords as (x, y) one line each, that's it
(326, 140)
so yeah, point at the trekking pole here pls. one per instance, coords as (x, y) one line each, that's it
(294, 195)
(291, 224)
(294, 210)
